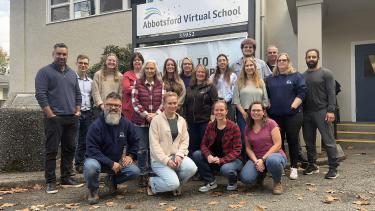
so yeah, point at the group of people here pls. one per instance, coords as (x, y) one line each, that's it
(164, 129)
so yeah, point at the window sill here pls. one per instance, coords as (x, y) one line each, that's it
(90, 16)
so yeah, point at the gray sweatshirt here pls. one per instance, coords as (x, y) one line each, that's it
(320, 93)
(59, 90)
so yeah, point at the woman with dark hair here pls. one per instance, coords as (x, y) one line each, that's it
(106, 80)
(172, 81)
(224, 79)
(200, 96)
(286, 90)
(128, 80)
(220, 149)
(147, 100)
(263, 147)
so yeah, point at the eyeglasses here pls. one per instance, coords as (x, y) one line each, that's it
(83, 63)
(282, 60)
(110, 105)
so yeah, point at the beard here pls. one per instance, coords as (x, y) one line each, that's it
(112, 118)
(312, 64)
(60, 61)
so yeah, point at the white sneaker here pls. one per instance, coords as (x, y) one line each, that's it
(208, 186)
(293, 173)
(232, 187)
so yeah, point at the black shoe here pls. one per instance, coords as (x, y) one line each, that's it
(51, 188)
(109, 185)
(70, 183)
(143, 181)
(93, 197)
(311, 169)
(332, 174)
(79, 169)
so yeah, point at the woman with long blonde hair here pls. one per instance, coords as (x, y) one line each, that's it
(249, 88)
(172, 80)
(106, 80)
(286, 89)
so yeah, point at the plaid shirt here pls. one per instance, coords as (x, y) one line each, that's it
(231, 141)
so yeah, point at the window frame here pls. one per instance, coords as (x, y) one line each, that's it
(126, 6)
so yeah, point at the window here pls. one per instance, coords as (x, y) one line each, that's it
(110, 5)
(60, 10)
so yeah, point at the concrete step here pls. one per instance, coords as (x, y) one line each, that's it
(356, 127)
(355, 135)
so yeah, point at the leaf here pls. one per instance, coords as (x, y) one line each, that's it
(328, 199)
(371, 192)
(361, 202)
(13, 190)
(110, 204)
(242, 202)
(24, 209)
(235, 206)
(350, 147)
(37, 187)
(140, 190)
(312, 189)
(171, 208)
(94, 207)
(361, 209)
(216, 193)
(259, 207)
(330, 191)
(300, 198)
(234, 195)
(213, 203)
(120, 196)
(130, 206)
(72, 206)
(310, 184)
(360, 197)
(5, 205)
(162, 203)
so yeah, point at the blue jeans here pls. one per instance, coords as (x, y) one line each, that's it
(196, 132)
(92, 169)
(83, 125)
(170, 179)
(205, 169)
(242, 125)
(143, 149)
(274, 165)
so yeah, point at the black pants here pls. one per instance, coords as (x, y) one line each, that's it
(289, 128)
(83, 125)
(59, 129)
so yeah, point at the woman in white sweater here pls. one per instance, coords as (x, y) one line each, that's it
(169, 142)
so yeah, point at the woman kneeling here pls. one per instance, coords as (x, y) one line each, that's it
(220, 150)
(169, 142)
(263, 147)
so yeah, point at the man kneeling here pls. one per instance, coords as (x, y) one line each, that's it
(111, 147)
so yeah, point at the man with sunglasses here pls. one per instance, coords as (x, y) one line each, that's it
(85, 84)
(111, 147)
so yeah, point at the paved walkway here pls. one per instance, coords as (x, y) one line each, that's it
(355, 184)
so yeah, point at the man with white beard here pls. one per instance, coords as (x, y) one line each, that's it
(111, 147)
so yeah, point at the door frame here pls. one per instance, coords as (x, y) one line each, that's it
(352, 74)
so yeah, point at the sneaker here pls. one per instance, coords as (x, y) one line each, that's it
(142, 182)
(93, 197)
(232, 187)
(277, 188)
(177, 192)
(208, 186)
(79, 169)
(293, 173)
(70, 183)
(311, 169)
(332, 174)
(149, 189)
(51, 188)
(109, 184)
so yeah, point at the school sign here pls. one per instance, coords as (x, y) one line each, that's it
(182, 15)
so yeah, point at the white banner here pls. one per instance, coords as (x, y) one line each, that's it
(179, 15)
(201, 52)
